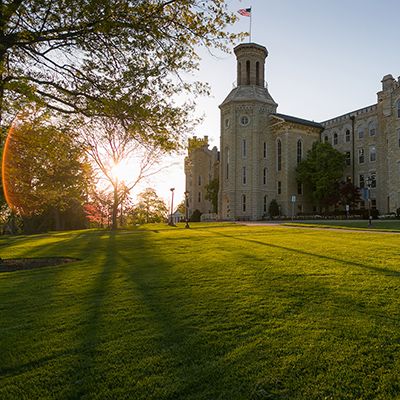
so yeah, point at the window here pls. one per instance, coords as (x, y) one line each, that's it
(243, 202)
(257, 73)
(299, 188)
(199, 180)
(239, 74)
(265, 150)
(279, 187)
(199, 197)
(360, 133)
(372, 153)
(265, 203)
(326, 139)
(244, 148)
(335, 139)
(279, 154)
(247, 72)
(227, 123)
(299, 151)
(371, 129)
(244, 175)
(227, 163)
(264, 176)
(347, 136)
(372, 179)
(361, 180)
(361, 156)
(348, 158)
(398, 108)
(244, 120)
(398, 137)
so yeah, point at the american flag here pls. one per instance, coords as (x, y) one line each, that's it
(246, 12)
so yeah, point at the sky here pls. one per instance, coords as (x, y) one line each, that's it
(326, 58)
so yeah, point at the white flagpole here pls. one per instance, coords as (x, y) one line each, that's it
(251, 16)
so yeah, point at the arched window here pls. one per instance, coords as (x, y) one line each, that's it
(335, 139)
(348, 136)
(264, 176)
(247, 72)
(279, 155)
(299, 151)
(371, 129)
(244, 175)
(398, 108)
(326, 139)
(265, 203)
(372, 153)
(265, 150)
(239, 74)
(257, 73)
(360, 132)
(244, 148)
(227, 163)
(243, 202)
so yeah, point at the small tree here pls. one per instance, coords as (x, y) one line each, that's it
(273, 208)
(320, 173)
(196, 215)
(150, 208)
(212, 193)
(349, 194)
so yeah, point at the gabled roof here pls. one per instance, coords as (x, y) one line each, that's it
(289, 118)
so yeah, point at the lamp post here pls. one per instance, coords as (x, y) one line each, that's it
(369, 183)
(171, 222)
(187, 209)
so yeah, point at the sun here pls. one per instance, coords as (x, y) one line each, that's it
(125, 171)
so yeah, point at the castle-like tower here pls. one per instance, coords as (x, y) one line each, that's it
(245, 138)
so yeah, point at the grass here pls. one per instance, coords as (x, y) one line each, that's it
(214, 312)
(381, 225)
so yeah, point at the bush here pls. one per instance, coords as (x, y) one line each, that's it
(195, 217)
(273, 208)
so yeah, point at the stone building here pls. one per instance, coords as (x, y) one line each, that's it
(261, 148)
(201, 167)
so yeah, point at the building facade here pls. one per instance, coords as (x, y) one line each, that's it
(260, 148)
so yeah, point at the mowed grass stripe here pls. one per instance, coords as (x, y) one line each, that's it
(217, 311)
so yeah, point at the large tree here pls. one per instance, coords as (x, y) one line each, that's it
(120, 58)
(45, 171)
(320, 172)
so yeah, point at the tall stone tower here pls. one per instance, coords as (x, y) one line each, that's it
(245, 168)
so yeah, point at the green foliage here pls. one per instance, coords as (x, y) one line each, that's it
(161, 313)
(46, 174)
(349, 194)
(123, 59)
(195, 217)
(320, 173)
(212, 193)
(273, 209)
(149, 209)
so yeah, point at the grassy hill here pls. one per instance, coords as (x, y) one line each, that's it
(214, 312)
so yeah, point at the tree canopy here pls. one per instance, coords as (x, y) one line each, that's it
(149, 208)
(108, 58)
(320, 172)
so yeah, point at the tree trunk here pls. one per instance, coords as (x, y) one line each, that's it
(114, 223)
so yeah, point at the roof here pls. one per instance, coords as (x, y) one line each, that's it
(289, 118)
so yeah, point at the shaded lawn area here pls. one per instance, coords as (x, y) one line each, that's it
(214, 312)
(385, 225)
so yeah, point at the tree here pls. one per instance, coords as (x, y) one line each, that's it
(105, 58)
(320, 173)
(111, 149)
(273, 208)
(150, 208)
(45, 171)
(212, 193)
(349, 194)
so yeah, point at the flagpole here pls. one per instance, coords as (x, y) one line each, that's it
(251, 16)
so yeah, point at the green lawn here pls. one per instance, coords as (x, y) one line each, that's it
(390, 225)
(214, 312)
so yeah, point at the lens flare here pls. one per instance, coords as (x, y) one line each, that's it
(5, 170)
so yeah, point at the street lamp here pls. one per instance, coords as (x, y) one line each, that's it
(171, 222)
(369, 184)
(187, 209)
